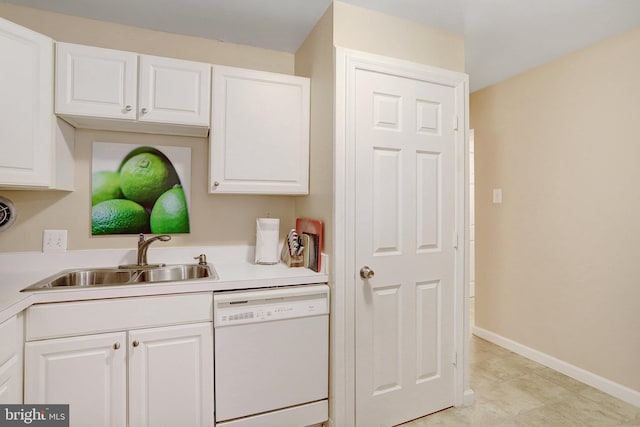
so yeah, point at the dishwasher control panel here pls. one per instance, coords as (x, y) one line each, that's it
(268, 305)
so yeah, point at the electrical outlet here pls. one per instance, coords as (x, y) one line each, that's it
(54, 241)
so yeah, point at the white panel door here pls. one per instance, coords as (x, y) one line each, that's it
(26, 110)
(96, 82)
(171, 376)
(174, 91)
(405, 223)
(259, 132)
(87, 372)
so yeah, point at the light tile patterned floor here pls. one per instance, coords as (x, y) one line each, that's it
(511, 390)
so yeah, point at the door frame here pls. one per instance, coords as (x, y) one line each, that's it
(343, 272)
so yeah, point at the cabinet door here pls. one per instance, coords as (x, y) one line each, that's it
(10, 381)
(26, 110)
(174, 91)
(259, 133)
(171, 376)
(87, 372)
(11, 339)
(96, 82)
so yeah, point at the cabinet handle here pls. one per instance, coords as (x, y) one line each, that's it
(128, 108)
(116, 346)
(216, 184)
(144, 111)
(136, 343)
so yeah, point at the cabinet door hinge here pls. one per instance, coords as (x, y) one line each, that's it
(455, 359)
(455, 241)
(455, 122)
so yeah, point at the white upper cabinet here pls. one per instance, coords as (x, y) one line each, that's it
(96, 82)
(259, 133)
(174, 91)
(32, 148)
(117, 90)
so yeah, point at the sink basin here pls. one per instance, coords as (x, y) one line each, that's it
(172, 273)
(90, 278)
(95, 277)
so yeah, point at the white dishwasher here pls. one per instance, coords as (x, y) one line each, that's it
(271, 351)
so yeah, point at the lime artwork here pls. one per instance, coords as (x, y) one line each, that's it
(139, 189)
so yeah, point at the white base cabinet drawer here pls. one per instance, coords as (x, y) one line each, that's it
(86, 317)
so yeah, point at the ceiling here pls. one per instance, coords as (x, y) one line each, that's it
(502, 37)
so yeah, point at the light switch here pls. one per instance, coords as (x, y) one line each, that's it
(497, 195)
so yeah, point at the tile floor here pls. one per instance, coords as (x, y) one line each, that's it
(511, 390)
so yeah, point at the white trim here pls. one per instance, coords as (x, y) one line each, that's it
(342, 399)
(603, 384)
(469, 397)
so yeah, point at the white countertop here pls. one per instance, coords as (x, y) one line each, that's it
(234, 266)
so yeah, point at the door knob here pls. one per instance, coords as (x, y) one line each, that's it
(366, 272)
(136, 343)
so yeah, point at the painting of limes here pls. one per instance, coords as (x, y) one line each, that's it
(138, 189)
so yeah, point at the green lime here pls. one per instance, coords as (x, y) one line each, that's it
(105, 185)
(145, 176)
(144, 149)
(119, 216)
(170, 213)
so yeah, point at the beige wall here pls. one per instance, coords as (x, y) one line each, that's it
(73, 29)
(374, 32)
(314, 59)
(557, 265)
(215, 219)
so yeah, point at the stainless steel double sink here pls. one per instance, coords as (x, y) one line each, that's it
(129, 275)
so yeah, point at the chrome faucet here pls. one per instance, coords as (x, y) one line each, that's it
(143, 245)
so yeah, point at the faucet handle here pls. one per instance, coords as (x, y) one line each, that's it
(141, 238)
(202, 259)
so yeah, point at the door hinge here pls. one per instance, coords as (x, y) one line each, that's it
(455, 122)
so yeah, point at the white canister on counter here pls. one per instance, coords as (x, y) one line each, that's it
(267, 239)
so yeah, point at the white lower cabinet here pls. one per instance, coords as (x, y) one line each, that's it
(170, 376)
(11, 338)
(88, 372)
(144, 377)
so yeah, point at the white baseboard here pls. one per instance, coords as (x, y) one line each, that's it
(614, 389)
(468, 398)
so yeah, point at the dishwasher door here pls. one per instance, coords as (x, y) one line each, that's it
(271, 350)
